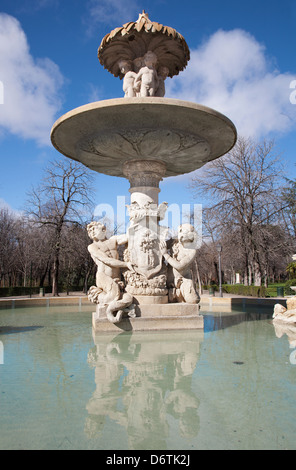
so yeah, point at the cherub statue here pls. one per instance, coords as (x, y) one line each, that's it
(129, 78)
(108, 285)
(138, 63)
(147, 76)
(183, 254)
(163, 73)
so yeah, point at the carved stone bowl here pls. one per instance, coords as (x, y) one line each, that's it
(106, 134)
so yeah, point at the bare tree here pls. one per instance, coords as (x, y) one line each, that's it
(32, 252)
(243, 187)
(64, 197)
(289, 201)
(8, 244)
(76, 264)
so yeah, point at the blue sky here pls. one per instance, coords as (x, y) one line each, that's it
(242, 64)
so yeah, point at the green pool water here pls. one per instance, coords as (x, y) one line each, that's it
(231, 386)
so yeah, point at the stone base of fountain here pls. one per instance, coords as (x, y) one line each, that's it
(156, 316)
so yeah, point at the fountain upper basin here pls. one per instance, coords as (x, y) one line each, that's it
(104, 135)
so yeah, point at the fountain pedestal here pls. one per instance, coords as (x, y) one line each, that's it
(151, 317)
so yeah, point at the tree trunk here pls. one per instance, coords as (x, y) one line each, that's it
(250, 275)
(196, 276)
(43, 276)
(55, 277)
(199, 281)
(216, 273)
(56, 262)
(246, 282)
(266, 276)
(257, 275)
(87, 274)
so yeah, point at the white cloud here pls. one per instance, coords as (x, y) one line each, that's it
(113, 12)
(6, 206)
(232, 73)
(95, 93)
(33, 5)
(31, 86)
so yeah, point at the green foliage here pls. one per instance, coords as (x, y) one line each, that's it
(291, 270)
(291, 282)
(214, 287)
(22, 291)
(239, 289)
(18, 291)
(247, 291)
(275, 290)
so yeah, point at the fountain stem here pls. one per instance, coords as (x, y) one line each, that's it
(144, 177)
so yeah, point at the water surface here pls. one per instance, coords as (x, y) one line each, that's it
(231, 386)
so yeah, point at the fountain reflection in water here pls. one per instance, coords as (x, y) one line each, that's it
(142, 381)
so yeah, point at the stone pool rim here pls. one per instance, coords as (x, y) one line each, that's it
(206, 301)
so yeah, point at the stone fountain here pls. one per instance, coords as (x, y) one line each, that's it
(286, 314)
(144, 137)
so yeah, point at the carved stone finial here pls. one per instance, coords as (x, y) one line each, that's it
(132, 40)
(144, 16)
